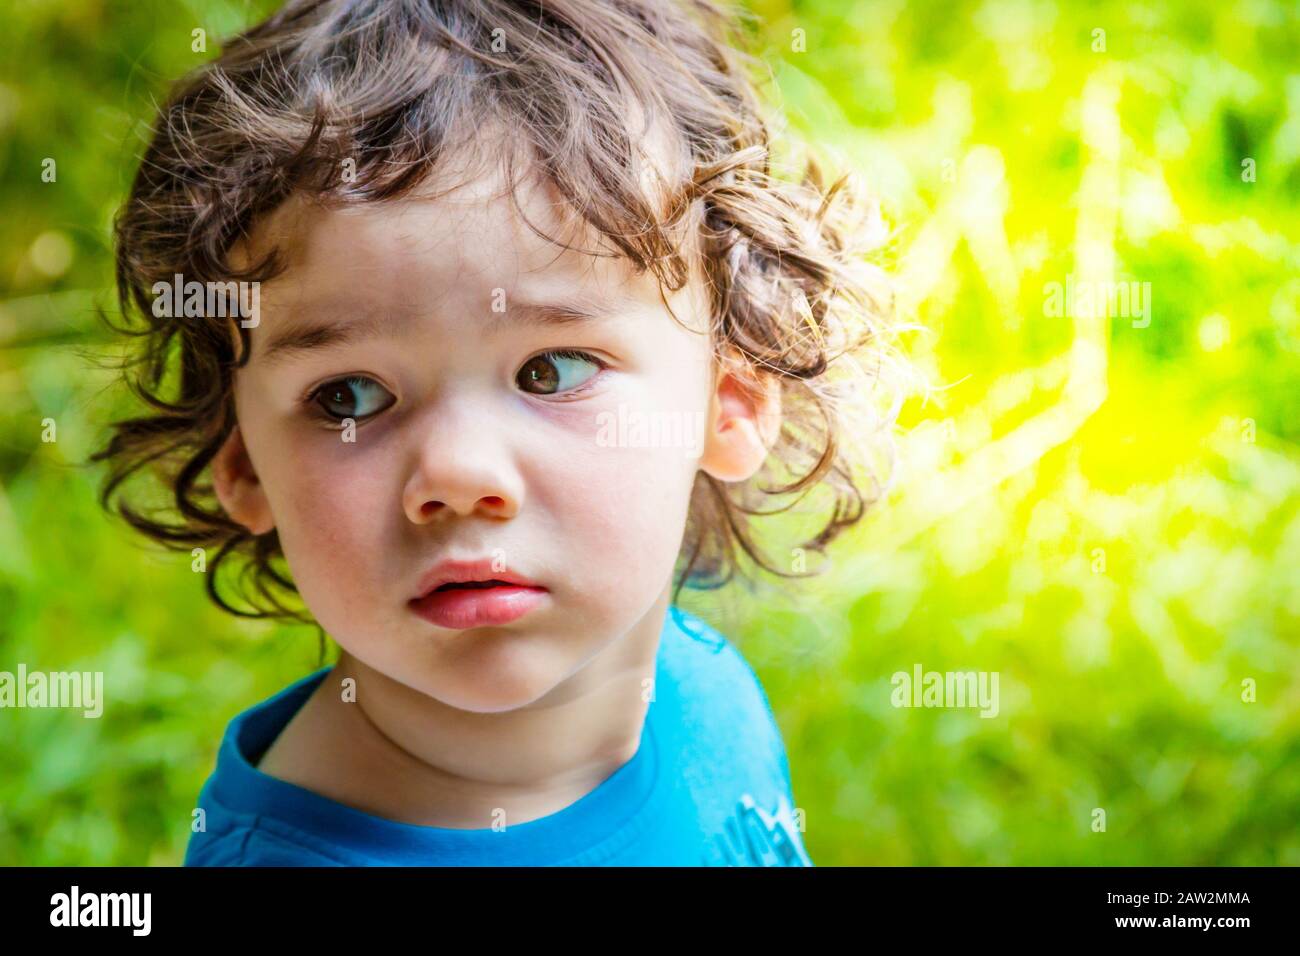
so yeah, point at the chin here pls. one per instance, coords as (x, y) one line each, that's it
(496, 681)
(490, 700)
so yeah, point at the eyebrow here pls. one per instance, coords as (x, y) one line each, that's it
(314, 334)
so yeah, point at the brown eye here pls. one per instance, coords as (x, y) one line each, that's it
(353, 397)
(559, 371)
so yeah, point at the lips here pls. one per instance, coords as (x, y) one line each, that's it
(471, 585)
(467, 594)
(479, 572)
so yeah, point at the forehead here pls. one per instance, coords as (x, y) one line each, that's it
(471, 234)
(466, 227)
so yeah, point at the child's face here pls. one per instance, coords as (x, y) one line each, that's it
(472, 442)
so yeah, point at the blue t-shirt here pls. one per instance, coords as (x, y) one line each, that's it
(708, 786)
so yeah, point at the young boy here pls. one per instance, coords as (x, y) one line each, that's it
(526, 331)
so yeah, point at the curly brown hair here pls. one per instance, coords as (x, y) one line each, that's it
(357, 101)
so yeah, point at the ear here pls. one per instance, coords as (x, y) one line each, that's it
(744, 422)
(237, 486)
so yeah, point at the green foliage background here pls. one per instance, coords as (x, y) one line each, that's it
(1104, 514)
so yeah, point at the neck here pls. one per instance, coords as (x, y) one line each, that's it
(442, 766)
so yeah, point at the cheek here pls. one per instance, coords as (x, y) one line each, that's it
(331, 507)
(631, 469)
(619, 511)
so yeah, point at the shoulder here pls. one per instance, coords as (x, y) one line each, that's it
(717, 685)
(253, 844)
(235, 814)
(700, 656)
(732, 755)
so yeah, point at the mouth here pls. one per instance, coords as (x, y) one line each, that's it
(462, 595)
(473, 585)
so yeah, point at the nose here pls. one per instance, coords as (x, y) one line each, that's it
(463, 469)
